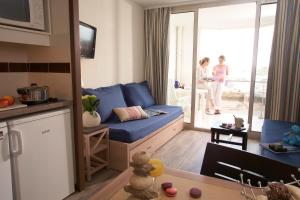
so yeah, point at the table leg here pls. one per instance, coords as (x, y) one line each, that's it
(88, 158)
(218, 138)
(245, 140)
(107, 151)
(212, 136)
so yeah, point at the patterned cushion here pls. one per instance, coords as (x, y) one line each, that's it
(130, 113)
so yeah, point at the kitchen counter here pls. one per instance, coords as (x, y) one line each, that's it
(4, 115)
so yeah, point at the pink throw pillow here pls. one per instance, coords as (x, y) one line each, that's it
(130, 113)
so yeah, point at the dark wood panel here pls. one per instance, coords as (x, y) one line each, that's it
(76, 83)
(18, 67)
(59, 67)
(38, 67)
(4, 67)
(35, 67)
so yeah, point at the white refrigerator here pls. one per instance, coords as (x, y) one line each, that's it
(42, 156)
(5, 165)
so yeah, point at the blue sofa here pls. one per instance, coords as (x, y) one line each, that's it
(132, 94)
(126, 138)
(272, 131)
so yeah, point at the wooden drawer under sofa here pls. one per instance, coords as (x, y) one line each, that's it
(121, 153)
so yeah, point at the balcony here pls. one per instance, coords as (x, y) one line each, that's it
(235, 102)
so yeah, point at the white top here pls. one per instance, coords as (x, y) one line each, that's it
(202, 75)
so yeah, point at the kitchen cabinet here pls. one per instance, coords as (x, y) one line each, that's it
(42, 156)
(24, 36)
(18, 28)
(5, 165)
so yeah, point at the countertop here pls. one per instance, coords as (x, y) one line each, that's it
(4, 115)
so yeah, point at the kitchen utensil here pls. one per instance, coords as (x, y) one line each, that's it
(33, 94)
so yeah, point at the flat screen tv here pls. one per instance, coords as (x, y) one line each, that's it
(87, 40)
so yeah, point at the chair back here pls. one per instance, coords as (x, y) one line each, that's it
(228, 163)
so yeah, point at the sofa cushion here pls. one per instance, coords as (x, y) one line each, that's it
(134, 130)
(130, 113)
(138, 94)
(110, 98)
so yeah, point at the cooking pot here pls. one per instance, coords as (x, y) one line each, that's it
(33, 94)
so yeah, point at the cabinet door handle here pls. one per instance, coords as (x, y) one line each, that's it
(17, 143)
(1, 135)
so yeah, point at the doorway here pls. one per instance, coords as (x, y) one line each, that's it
(243, 34)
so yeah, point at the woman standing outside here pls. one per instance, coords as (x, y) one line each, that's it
(220, 71)
(203, 82)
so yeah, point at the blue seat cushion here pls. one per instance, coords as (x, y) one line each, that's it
(131, 131)
(138, 94)
(110, 98)
(272, 131)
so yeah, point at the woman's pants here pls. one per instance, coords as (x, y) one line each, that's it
(217, 90)
(208, 96)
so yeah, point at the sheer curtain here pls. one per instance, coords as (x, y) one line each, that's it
(283, 93)
(157, 51)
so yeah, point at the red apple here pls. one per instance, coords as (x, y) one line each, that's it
(3, 103)
(10, 99)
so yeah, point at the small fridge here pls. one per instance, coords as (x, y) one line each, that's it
(6, 192)
(42, 156)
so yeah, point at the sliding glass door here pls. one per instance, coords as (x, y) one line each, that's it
(181, 62)
(265, 37)
(224, 31)
(240, 33)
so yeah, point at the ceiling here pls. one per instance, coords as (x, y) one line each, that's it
(231, 16)
(158, 3)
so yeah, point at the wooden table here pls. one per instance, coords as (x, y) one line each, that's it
(212, 188)
(216, 131)
(96, 140)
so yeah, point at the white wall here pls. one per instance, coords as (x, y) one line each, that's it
(120, 42)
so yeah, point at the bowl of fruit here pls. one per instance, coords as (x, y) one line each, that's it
(6, 101)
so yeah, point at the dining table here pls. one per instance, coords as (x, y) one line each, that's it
(211, 188)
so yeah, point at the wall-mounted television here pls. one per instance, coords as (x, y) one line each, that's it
(87, 40)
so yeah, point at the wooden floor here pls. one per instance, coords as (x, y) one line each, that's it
(185, 152)
(99, 180)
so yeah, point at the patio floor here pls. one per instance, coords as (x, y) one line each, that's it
(230, 108)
